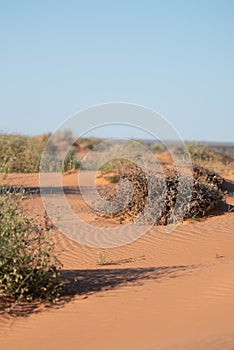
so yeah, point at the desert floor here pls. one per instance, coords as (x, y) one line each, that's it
(163, 291)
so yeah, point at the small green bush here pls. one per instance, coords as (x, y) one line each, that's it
(20, 154)
(114, 179)
(157, 148)
(29, 267)
(71, 162)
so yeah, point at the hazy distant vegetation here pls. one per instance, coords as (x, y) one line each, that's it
(22, 154)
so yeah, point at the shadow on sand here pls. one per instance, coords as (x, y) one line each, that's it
(85, 283)
(228, 186)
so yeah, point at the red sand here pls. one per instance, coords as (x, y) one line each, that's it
(163, 291)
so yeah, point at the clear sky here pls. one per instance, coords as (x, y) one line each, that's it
(174, 56)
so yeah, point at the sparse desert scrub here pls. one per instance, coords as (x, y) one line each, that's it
(206, 196)
(117, 166)
(88, 143)
(157, 147)
(20, 154)
(199, 152)
(213, 157)
(29, 267)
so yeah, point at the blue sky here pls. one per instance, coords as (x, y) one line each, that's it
(176, 57)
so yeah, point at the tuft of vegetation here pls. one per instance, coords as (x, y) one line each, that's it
(29, 267)
(71, 162)
(117, 166)
(157, 148)
(102, 258)
(114, 179)
(199, 152)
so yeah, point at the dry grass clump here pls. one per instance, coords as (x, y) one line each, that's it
(199, 152)
(154, 198)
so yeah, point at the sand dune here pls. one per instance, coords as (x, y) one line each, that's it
(163, 291)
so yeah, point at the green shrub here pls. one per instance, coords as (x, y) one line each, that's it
(20, 154)
(71, 162)
(29, 267)
(157, 148)
(114, 179)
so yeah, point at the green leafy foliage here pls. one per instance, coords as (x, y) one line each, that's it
(29, 267)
